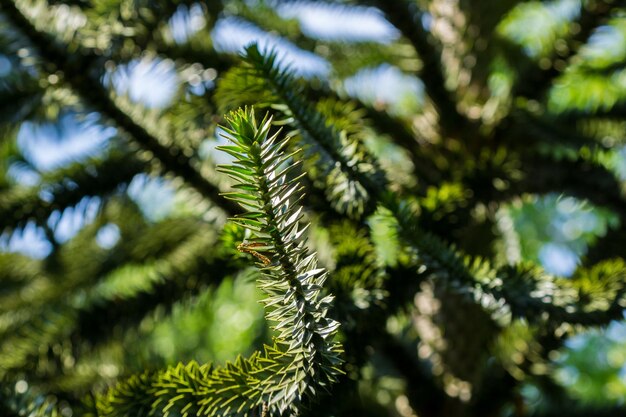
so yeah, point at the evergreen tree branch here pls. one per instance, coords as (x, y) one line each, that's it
(593, 297)
(468, 277)
(517, 291)
(474, 307)
(128, 295)
(267, 82)
(422, 155)
(554, 158)
(351, 176)
(112, 303)
(268, 19)
(81, 259)
(303, 358)
(365, 297)
(581, 178)
(408, 20)
(535, 172)
(65, 188)
(77, 70)
(183, 273)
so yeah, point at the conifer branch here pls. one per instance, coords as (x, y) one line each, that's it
(303, 359)
(181, 274)
(469, 277)
(78, 73)
(352, 176)
(65, 188)
(593, 297)
(408, 20)
(115, 301)
(514, 292)
(581, 178)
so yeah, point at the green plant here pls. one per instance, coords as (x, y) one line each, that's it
(382, 231)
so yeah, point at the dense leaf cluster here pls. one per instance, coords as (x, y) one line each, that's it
(392, 278)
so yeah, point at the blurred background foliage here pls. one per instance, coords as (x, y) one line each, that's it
(504, 122)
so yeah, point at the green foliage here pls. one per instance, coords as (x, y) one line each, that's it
(400, 237)
(338, 163)
(303, 358)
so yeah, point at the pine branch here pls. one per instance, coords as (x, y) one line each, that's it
(267, 82)
(593, 297)
(581, 178)
(382, 122)
(303, 358)
(262, 170)
(358, 283)
(519, 292)
(471, 278)
(79, 260)
(366, 296)
(342, 164)
(110, 296)
(184, 272)
(397, 129)
(65, 188)
(544, 155)
(77, 69)
(361, 55)
(121, 301)
(472, 167)
(408, 20)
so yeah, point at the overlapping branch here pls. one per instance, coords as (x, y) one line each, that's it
(303, 358)
(78, 70)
